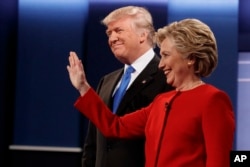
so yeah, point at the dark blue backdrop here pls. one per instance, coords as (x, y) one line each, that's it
(44, 113)
(8, 38)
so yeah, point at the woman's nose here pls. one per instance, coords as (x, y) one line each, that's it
(161, 65)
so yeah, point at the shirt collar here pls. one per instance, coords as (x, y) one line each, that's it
(140, 63)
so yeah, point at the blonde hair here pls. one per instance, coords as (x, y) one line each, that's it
(142, 19)
(194, 40)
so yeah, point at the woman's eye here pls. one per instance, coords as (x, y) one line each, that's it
(165, 55)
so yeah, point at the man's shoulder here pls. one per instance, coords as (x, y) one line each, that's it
(113, 73)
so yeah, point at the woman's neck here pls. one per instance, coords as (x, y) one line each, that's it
(190, 85)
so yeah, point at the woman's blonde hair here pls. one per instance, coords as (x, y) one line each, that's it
(194, 40)
(142, 19)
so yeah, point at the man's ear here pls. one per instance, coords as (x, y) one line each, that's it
(143, 36)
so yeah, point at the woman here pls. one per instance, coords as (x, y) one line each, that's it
(191, 126)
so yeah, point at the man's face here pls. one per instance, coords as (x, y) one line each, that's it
(123, 39)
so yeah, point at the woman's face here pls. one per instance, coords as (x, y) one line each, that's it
(175, 66)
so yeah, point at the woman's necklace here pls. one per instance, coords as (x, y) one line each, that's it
(197, 84)
(192, 86)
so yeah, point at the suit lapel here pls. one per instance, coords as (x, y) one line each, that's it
(108, 85)
(140, 83)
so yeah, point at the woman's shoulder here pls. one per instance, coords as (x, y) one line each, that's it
(211, 91)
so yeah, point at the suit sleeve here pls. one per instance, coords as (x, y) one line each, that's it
(89, 147)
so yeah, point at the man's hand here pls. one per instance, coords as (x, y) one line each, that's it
(77, 74)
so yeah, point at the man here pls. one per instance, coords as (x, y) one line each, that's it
(130, 34)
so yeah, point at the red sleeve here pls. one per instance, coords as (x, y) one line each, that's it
(128, 126)
(218, 127)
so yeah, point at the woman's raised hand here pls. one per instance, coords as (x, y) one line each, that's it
(76, 73)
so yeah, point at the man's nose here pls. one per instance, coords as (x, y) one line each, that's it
(113, 37)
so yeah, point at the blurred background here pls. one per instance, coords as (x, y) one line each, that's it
(38, 123)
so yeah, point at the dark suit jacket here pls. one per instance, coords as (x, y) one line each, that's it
(99, 151)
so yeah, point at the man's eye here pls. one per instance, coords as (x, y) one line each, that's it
(119, 31)
(108, 33)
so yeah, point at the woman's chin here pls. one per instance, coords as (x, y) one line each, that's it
(169, 82)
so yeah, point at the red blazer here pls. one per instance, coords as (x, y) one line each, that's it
(193, 128)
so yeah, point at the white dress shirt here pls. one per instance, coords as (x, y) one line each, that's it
(139, 64)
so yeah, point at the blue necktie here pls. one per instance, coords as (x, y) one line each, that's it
(122, 88)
